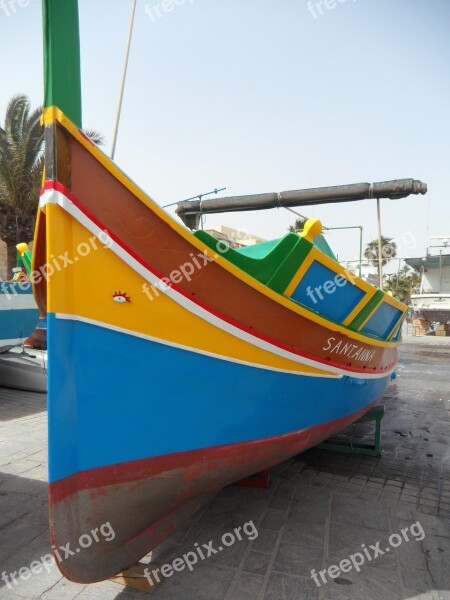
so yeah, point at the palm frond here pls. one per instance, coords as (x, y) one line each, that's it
(95, 137)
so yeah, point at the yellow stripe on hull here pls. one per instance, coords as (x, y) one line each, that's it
(102, 274)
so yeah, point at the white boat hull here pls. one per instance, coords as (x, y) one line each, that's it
(434, 307)
(24, 370)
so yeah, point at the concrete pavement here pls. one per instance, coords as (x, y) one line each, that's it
(320, 509)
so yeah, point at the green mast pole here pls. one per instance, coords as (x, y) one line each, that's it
(62, 77)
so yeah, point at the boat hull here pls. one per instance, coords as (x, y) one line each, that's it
(433, 307)
(148, 488)
(24, 370)
(167, 439)
(172, 372)
(18, 313)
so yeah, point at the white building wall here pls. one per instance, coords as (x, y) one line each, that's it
(431, 280)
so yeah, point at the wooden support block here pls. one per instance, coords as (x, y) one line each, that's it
(258, 480)
(134, 577)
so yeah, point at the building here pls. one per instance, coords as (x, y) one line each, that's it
(233, 237)
(435, 272)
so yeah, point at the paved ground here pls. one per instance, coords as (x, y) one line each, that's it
(320, 509)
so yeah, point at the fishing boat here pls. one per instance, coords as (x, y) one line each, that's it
(18, 313)
(24, 369)
(187, 365)
(18, 319)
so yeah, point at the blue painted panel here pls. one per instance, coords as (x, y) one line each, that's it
(383, 320)
(15, 287)
(114, 397)
(333, 302)
(18, 323)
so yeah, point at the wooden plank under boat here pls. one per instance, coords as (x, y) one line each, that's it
(177, 366)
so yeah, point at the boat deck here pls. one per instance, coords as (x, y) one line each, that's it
(318, 510)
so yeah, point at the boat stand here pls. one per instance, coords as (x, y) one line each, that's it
(374, 414)
(134, 577)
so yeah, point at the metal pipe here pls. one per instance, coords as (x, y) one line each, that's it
(360, 241)
(380, 262)
(399, 188)
(360, 249)
(124, 76)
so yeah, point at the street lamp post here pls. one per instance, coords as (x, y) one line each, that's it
(380, 261)
(360, 241)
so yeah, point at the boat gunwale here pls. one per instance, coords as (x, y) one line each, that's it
(51, 115)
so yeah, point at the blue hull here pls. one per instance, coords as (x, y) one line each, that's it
(173, 400)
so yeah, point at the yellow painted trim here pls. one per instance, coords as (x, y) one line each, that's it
(396, 303)
(299, 274)
(361, 304)
(317, 255)
(52, 114)
(399, 323)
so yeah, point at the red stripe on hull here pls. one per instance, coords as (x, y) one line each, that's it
(55, 185)
(146, 500)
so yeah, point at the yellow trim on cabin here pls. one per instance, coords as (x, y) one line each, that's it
(52, 114)
(399, 323)
(387, 299)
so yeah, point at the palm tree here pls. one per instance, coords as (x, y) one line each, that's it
(21, 167)
(298, 225)
(388, 251)
(405, 283)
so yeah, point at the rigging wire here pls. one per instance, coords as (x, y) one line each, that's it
(124, 76)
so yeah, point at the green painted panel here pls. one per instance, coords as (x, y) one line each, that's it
(272, 257)
(285, 272)
(259, 250)
(62, 76)
(321, 244)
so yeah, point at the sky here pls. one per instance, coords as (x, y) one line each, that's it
(265, 96)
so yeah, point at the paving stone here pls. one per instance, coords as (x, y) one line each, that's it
(285, 587)
(203, 583)
(354, 512)
(297, 559)
(432, 525)
(257, 562)
(368, 584)
(415, 579)
(107, 590)
(308, 532)
(246, 587)
(320, 501)
(265, 541)
(347, 540)
(67, 590)
(437, 551)
(274, 518)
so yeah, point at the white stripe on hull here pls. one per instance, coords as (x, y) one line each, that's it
(55, 197)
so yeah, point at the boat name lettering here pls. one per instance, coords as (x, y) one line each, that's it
(350, 350)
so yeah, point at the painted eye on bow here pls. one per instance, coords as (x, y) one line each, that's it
(121, 297)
